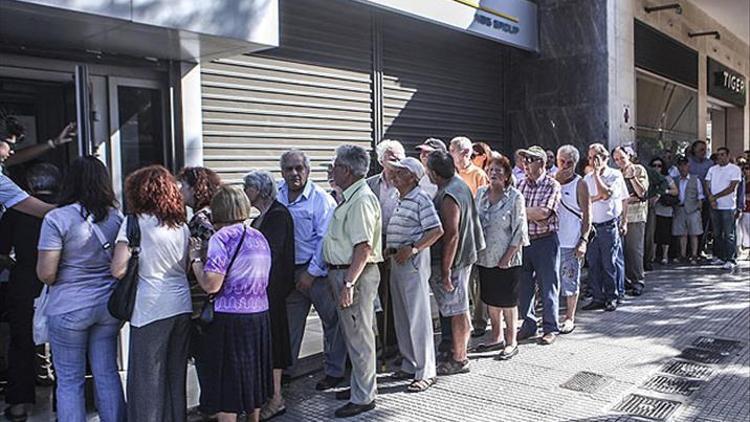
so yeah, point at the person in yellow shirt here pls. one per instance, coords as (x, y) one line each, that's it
(351, 249)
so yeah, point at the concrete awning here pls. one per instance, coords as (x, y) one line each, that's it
(185, 30)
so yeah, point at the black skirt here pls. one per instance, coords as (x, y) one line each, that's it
(499, 287)
(663, 233)
(236, 354)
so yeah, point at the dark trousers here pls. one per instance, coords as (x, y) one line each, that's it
(541, 260)
(157, 369)
(725, 234)
(23, 287)
(602, 256)
(386, 329)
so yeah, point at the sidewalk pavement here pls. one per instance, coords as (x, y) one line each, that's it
(621, 351)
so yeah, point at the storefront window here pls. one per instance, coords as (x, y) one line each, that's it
(667, 116)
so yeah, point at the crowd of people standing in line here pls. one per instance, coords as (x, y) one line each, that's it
(461, 222)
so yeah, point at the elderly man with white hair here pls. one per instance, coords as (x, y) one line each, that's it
(461, 148)
(352, 248)
(414, 227)
(575, 224)
(388, 152)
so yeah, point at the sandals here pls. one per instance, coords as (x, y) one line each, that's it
(270, 410)
(484, 348)
(567, 327)
(401, 375)
(507, 354)
(452, 367)
(418, 386)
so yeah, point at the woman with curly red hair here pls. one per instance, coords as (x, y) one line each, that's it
(159, 326)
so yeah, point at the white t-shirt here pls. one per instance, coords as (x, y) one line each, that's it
(605, 210)
(10, 193)
(718, 179)
(163, 289)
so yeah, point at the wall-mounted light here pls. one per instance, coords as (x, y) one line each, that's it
(715, 34)
(676, 6)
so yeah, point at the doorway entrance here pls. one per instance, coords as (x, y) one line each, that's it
(122, 113)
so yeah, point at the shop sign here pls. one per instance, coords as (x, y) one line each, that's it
(726, 84)
(512, 22)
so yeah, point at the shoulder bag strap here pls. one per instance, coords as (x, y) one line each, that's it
(106, 245)
(236, 252)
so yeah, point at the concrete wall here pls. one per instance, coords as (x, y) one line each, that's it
(559, 96)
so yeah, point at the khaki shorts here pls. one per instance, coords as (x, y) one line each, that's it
(684, 224)
(455, 302)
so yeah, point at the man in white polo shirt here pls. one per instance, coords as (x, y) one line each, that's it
(721, 189)
(609, 200)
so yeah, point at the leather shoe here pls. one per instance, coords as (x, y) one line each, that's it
(523, 335)
(478, 332)
(547, 339)
(328, 382)
(593, 306)
(351, 409)
(610, 306)
(637, 290)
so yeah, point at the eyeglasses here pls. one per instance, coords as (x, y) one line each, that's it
(658, 166)
(529, 159)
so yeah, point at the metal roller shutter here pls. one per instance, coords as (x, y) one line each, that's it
(439, 82)
(313, 93)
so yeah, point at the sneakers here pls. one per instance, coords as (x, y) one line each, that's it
(664, 261)
(729, 266)
(716, 261)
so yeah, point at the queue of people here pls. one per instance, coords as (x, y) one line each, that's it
(481, 233)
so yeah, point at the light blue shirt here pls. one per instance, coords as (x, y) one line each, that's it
(10, 193)
(311, 212)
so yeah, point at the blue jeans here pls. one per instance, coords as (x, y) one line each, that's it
(620, 264)
(725, 234)
(602, 255)
(541, 261)
(298, 307)
(74, 335)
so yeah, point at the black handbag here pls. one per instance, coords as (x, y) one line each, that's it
(122, 300)
(669, 200)
(206, 317)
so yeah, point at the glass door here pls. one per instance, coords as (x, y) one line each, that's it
(138, 129)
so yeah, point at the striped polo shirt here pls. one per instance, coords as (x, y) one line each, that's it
(414, 215)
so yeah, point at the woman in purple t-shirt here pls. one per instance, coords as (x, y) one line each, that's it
(237, 267)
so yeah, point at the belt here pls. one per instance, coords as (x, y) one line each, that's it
(345, 267)
(611, 222)
(303, 265)
(540, 236)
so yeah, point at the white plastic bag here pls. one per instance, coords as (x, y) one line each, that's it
(41, 330)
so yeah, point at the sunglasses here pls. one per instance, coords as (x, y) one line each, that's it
(529, 159)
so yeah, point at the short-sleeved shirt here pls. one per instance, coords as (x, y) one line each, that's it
(163, 289)
(414, 215)
(610, 208)
(474, 177)
(10, 193)
(543, 192)
(638, 211)
(504, 225)
(84, 278)
(244, 290)
(355, 220)
(719, 178)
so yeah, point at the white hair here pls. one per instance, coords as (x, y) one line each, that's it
(461, 143)
(391, 145)
(569, 151)
(599, 149)
(355, 158)
(263, 182)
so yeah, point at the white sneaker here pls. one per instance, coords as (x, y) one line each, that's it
(664, 261)
(728, 266)
(716, 261)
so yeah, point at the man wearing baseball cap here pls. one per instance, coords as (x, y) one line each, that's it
(542, 257)
(413, 228)
(429, 145)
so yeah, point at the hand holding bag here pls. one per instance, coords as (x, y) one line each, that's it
(40, 327)
(206, 316)
(122, 300)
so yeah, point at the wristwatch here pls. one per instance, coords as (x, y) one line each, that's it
(194, 260)
(349, 284)
(414, 250)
